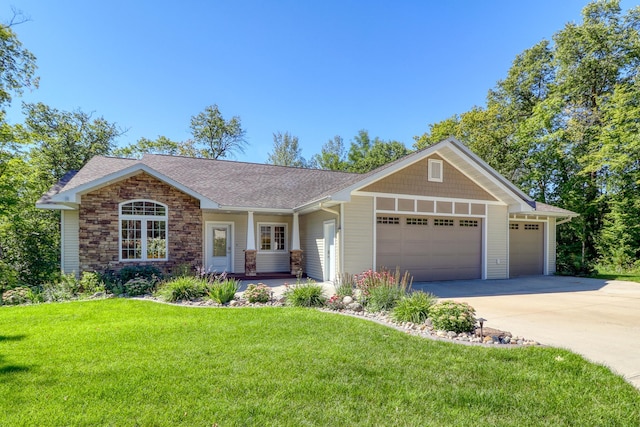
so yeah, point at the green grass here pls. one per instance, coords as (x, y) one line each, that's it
(127, 362)
(612, 275)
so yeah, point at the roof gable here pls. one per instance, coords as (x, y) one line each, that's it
(413, 180)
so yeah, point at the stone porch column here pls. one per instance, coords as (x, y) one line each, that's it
(295, 254)
(250, 251)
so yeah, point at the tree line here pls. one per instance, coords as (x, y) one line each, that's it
(563, 125)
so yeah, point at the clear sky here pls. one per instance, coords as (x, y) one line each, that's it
(313, 68)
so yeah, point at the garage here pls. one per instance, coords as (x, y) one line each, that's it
(526, 248)
(430, 248)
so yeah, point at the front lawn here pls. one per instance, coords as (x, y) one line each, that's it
(129, 362)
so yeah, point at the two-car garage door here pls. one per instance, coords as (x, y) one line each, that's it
(430, 248)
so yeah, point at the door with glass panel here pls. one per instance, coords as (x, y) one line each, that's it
(219, 247)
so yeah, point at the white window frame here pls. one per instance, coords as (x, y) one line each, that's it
(271, 225)
(430, 175)
(143, 227)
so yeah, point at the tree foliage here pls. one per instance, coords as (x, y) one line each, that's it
(286, 151)
(214, 137)
(161, 145)
(332, 156)
(562, 126)
(366, 154)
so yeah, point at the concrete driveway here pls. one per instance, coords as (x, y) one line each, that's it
(599, 319)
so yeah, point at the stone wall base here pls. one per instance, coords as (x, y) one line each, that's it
(250, 262)
(295, 260)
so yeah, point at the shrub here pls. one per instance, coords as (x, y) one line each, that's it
(309, 294)
(19, 295)
(64, 288)
(384, 298)
(182, 288)
(90, 283)
(452, 316)
(149, 272)
(413, 307)
(257, 293)
(223, 291)
(138, 286)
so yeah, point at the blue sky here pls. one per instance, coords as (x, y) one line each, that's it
(313, 68)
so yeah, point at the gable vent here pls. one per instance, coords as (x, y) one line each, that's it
(435, 170)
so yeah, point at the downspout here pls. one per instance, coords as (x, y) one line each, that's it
(339, 231)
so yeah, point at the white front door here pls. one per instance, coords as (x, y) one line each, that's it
(219, 247)
(329, 251)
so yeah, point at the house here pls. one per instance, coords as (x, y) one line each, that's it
(440, 213)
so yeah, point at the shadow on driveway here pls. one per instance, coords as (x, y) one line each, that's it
(517, 286)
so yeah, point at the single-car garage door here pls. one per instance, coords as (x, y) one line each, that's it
(430, 248)
(526, 248)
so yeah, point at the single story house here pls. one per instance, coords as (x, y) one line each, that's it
(441, 213)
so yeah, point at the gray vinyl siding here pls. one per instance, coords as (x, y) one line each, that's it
(358, 236)
(265, 261)
(497, 242)
(70, 229)
(312, 241)
(273, 261)
(551, 246)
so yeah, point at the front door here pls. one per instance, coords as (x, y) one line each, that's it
(219, 247)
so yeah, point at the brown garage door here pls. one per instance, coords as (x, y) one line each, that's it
(430, 248)
(526, 248)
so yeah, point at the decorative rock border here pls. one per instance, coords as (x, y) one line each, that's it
(492, 337)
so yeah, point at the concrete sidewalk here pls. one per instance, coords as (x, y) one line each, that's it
(598, 319)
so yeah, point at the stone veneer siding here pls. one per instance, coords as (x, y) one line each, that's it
(99, 227)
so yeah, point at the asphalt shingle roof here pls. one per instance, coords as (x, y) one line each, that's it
(227, 183)
(238, 184)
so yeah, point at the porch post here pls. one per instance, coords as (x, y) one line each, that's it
(295, 254)
(250, 250)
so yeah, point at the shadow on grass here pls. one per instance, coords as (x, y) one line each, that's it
(12, 337)
(6, 368)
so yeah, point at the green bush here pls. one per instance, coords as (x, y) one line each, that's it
(413, 307)
(64, 288)
(19, 295)
(138, 286)
(257, 293)
(182, 288)
(149, 272)
(223, 291)
(452, 316)
(309, 294)
(90, 283)
(384, 298)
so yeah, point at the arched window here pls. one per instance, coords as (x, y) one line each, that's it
(143, 231)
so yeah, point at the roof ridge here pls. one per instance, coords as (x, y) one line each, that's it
(248, 163)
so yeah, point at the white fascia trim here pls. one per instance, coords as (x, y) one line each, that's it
(485, 167)
(312, 204)
(252, 209)
(430, 198)
(73, 195)
(55, 206)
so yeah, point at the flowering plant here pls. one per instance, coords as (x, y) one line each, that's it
(335, 302)
(257, 293)
(452, 316)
